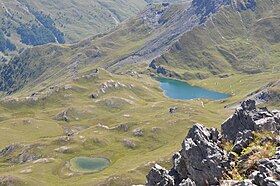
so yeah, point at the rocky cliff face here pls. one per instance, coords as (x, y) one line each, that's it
(204, 8)
(205, 159)
(247, 117)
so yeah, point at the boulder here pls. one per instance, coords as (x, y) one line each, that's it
(172, 110)
(243, 139)
(138, 132)
(187, 182)
(159, 176)
(63, 149)
(129, 143)
(247, 117)
(237, 183)
(200, 158)
(268, 173)
(26, 157)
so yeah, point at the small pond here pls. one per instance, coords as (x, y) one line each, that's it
(88, 164)
(181, 90)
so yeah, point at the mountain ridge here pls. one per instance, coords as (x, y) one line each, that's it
(165, 46)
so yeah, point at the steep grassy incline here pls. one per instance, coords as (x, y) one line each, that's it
(245, 41)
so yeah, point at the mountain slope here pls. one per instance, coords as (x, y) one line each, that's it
(215, 47)
(173, 40)
(30, 22)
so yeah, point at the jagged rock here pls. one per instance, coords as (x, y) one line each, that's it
(63, 116)
(243, 5)
(200, 158)
(129, 144)
(247, 117)
(187, 182)
(236, 183)
(208, 7)
(172, 109)
(243, 139)
(159, 176)
(277, 154)
(7, 150)
(23, 157)
(161, 70)
(138, 132)
(202, 161)
(268, 173)
(27, 157)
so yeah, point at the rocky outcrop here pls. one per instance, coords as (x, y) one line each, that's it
(8, 150)
(247, 117)
(200, 162)
(268, 93)
(19, 154)
(203, 161)
(237, 183)
(268, 173)
(205, 7)
(201, 156)
(243, 5)
(159, 176)
(243, 139)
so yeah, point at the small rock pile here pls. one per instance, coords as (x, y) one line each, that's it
(202, 161)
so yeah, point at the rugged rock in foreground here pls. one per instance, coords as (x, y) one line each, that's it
(254, 155)
(200, 158)
(247, 117)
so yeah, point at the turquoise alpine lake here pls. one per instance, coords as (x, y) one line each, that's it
(88, 164)
(183, 91)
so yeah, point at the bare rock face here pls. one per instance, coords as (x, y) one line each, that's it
(268, 173)
(205, 7)
(237, 183)
(159, 176)
(243, 139)
(203, 162)
(201, 156)
(19, 154)
(247, 117)
(9, 149)
(200, 162)
(187, 182)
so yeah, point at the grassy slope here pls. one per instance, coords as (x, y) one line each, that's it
(76, 19)
(141, 106)
(207, 50)
(215, 48)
